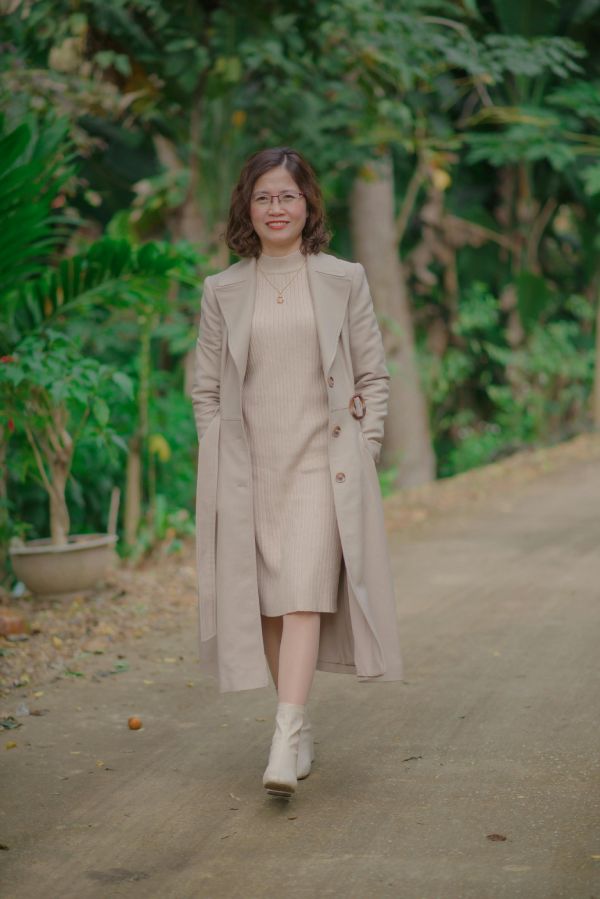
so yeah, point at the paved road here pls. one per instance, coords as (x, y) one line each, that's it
(494, 731)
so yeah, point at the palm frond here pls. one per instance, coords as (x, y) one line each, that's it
(108, 274)
(34, 165)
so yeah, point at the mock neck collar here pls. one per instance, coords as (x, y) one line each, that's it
(288, 263)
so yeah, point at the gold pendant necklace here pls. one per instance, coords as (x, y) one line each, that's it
(278, 289)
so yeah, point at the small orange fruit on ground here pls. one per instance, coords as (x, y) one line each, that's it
(134, 722)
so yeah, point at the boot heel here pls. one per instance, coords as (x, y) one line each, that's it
(306, 750)
(282, 790)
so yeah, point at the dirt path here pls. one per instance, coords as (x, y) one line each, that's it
(493, 732)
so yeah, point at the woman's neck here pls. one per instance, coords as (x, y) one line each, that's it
(281, 249)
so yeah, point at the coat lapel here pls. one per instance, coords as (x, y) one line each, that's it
(329, 286)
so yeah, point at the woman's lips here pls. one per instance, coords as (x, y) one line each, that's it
(276, 226)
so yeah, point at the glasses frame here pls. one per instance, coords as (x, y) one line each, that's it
(297, 195)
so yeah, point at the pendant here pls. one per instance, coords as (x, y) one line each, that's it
(280, 299)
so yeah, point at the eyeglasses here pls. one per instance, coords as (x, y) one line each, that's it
(286, 198)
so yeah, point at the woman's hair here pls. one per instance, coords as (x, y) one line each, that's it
(240, 234)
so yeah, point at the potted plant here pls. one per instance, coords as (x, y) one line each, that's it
(54, 395)
(51, 391)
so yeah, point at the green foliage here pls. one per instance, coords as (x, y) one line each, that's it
(108, 273)
(534, 394)
(34, 166)
(47, 383)
(490, 114)
(163, 532)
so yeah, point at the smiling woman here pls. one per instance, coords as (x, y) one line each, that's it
(278, 218)
(290, 396)
(276, 206)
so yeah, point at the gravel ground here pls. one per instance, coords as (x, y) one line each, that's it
(475, 777)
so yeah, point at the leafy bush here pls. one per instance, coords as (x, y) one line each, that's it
(488, 399)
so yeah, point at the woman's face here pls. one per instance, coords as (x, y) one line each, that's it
(279, 227)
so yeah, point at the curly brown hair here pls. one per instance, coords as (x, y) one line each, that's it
(240, 234)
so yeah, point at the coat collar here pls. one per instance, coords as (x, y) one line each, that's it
(329, 283)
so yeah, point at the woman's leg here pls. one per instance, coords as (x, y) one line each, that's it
(272, 628)
(297, 659)
(298, 656)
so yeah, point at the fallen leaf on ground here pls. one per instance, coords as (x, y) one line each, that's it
(121, 666)
(10, 722)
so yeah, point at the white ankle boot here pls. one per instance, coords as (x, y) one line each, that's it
(280, 776)
(306, 750)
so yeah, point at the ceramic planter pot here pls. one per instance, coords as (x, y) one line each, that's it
(80, 564)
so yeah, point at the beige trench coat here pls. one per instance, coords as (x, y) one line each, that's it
(361, 637)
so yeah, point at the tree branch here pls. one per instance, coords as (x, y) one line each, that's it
(537, 229)
(416, 180)
(39, 460)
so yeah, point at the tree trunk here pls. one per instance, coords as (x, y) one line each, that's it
(596, 398)
(133, 491)
(187, 221)
(3, 504)
(57, 447)
(59, 513)
(407, 441)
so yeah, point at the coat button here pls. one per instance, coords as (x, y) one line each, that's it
(330, 380)
(340, 476)
(336, 431)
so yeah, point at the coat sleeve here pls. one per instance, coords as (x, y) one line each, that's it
(206, 388)
(371, 377)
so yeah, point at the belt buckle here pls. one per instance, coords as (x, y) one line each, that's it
(357, 406)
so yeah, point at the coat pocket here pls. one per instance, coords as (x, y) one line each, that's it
(372, 446)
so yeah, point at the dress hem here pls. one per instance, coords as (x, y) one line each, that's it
(289, 611)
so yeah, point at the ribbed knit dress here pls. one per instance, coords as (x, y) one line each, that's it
(286, 416)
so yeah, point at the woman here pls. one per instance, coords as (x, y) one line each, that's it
(290, 396)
